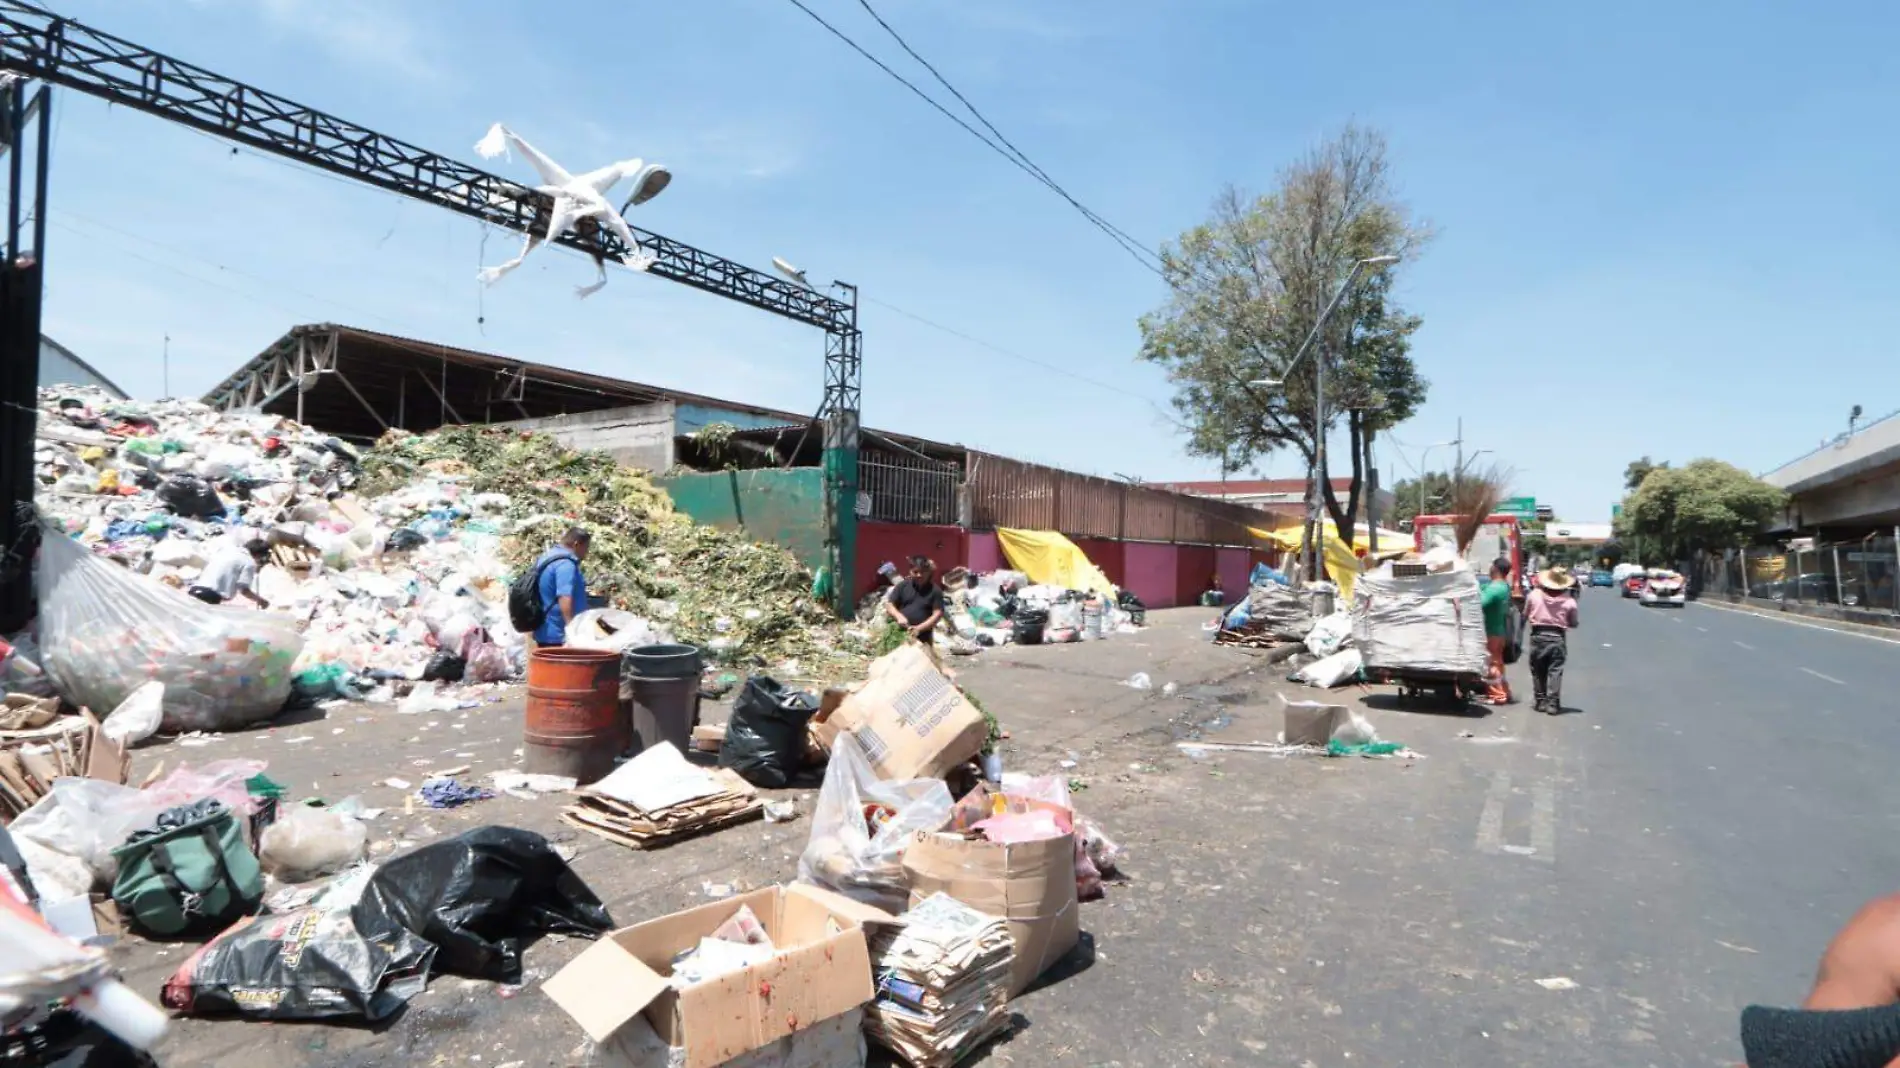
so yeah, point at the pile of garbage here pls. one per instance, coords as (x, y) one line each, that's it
(1004, 607)
(385, 567)
(740, 600)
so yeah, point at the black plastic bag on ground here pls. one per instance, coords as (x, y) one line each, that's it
(190, 496)
(476, 896)
(765, 737)
(404, 540)
(310, 964)
(444, 666)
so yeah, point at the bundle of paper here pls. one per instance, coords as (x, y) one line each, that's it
(657, 797)
(942, 982)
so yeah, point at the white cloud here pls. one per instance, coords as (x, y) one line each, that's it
(365, 33)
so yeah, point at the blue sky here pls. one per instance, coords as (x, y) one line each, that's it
(1662, 229)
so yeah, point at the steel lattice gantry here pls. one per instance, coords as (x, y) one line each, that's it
(40, 45)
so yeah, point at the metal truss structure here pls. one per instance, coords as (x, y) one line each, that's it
(40, 45)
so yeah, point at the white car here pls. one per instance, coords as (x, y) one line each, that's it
(1664, 588)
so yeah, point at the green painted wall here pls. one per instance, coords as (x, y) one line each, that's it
(786, 507)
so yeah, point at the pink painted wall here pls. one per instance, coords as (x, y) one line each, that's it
(1104, 553)
(1148, 569)
(984, 552)
(1194, 565)
(897, 542)
(1232, 565)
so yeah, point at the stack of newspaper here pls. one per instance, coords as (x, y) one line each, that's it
(942, 982)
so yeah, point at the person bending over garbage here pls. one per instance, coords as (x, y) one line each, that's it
(916, 603)
(232, 569)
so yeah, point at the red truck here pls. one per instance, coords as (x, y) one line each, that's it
(1499, 535)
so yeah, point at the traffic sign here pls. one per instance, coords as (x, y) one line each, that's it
(1616, 511)
(1521, 507)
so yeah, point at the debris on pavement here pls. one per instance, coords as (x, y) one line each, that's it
(812, 945)
(1557, 982)
(658, 798)
(446, 792)
(862, 825)
(1138, 681)
(942, 982)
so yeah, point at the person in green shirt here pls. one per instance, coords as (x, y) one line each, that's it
(1497, 629)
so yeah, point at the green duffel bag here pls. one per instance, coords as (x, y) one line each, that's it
(194, 873)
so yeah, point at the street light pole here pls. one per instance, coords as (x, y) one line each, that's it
(1315, 524)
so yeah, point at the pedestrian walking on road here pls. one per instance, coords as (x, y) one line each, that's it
(1496, 602)
(1552, 614)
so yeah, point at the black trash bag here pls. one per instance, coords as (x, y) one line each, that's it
(765, 736)
(190, 496)
(309, 964)
(476, 896)
(1030, 623)
(444, 666)
(404, 540)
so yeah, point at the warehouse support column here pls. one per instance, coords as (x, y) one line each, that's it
(841, 508)
(23, 127)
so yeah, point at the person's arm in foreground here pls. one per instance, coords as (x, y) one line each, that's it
(1861, 967)
(891, 609)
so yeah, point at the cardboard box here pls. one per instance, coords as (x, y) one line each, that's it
(912, 721)
(1029, 884)
(822, 969)
(1310, 722)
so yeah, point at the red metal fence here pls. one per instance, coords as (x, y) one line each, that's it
(1010, 493)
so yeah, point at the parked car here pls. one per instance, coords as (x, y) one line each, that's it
(1602, 577)
(1664, 588)
(1633, 585)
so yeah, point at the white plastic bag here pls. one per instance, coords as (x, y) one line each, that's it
(612, 628)
(89, 818)
(138, 716)
(846, 853)
(308, 842)
(105, 631)
(1341, 667)
(1330, 634)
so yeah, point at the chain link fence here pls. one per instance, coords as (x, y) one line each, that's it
(1861, 574)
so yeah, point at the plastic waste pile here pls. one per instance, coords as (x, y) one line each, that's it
(1001, 607)
(389, 565)
(740, 600)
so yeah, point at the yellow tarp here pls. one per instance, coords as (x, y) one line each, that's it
(1341, 564)
(1048, 557)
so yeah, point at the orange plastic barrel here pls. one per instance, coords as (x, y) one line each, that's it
(573, 725)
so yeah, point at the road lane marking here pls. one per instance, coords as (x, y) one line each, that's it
(1780, 617)
(1544, 822)
(1491, 820)
(1746, 646)
(1543, 844)
(1824, 678)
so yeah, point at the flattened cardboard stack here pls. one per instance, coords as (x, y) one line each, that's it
(657, 798)
(71, 745)
(942, 982)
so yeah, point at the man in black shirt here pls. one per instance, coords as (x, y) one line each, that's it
(917, 602)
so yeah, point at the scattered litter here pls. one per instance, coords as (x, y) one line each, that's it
(1736, 948)
(781, 811)
(299, 740)
(1138, 681)
(718, 890)
(525, 786)
(448, 793)
(397, 784)
(1557, 982)
(657, 797)
(1170, 690)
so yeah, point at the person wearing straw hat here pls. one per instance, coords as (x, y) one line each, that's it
(1552, 614)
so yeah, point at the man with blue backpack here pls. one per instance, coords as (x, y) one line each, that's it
(550, 594)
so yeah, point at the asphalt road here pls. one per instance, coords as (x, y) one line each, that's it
(1681, 843)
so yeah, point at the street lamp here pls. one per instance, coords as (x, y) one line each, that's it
(1319, 395)
(1424, 469)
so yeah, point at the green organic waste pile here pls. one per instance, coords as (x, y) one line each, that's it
(745, 602)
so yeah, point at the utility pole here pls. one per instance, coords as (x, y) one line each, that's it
(166, 391)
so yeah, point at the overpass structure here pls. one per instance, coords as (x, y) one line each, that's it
(1849, 487)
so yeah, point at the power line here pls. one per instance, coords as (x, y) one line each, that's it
(1129, 245)
(1121, 236)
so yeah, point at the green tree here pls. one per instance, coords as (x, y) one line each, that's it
(1637, 470)
(1405, 496)
(1705, 505)
(1247, 287)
